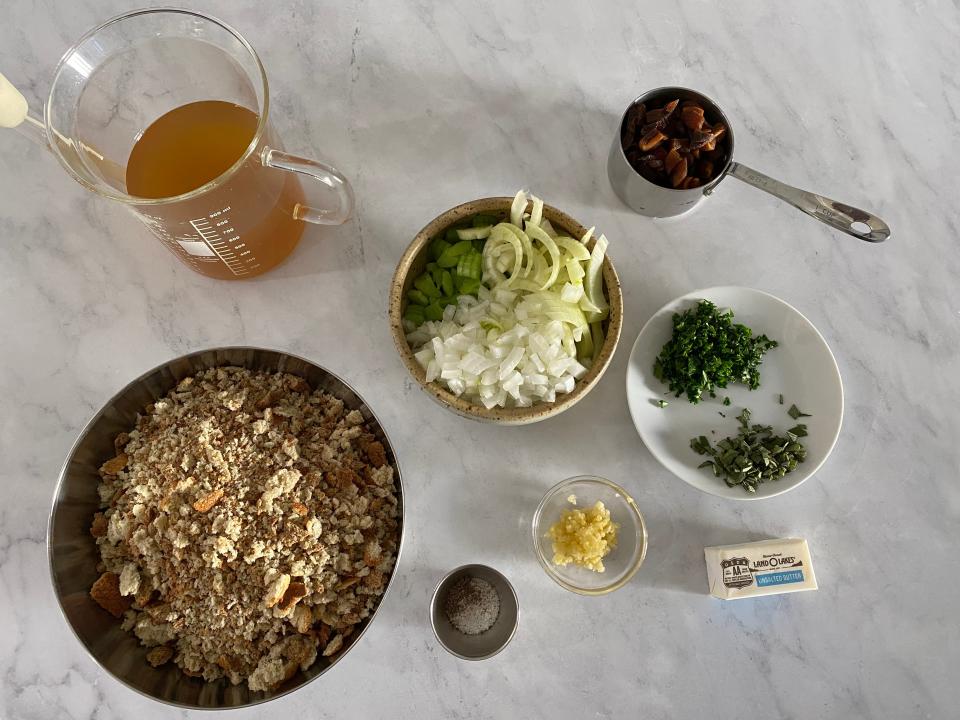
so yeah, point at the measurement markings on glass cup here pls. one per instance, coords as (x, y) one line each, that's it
(216, 231)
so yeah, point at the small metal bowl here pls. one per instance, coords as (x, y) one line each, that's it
(648, 198)
(486, 644)
(73, 555)
(412, 265)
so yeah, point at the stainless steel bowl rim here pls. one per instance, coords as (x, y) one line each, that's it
(433, 604)
(96, 416)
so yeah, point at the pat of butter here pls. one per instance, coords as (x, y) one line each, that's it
(768, 567)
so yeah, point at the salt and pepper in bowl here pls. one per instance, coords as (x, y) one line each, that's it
(474, 612)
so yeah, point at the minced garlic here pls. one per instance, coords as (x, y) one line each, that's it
(583, 537)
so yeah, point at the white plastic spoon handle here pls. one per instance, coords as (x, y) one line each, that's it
(13, 106)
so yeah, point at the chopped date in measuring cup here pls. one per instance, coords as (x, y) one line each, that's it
(673, 144)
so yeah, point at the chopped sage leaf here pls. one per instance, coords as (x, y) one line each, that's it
(795, 412)
(754, 455)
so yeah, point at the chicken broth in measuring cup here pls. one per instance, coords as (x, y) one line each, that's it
(243, 227)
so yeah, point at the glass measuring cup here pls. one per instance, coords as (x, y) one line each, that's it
(119, 78)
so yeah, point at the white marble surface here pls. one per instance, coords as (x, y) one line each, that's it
(426, 105)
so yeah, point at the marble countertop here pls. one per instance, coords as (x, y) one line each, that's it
(425, 105)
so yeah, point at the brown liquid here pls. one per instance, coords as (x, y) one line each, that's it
(239, 229)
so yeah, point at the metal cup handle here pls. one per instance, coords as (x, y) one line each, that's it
(835, 214)
(337, 187)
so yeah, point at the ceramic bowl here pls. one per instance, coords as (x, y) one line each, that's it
(412, 265)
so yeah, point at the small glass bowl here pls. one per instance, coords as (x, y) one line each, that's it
(622, 562)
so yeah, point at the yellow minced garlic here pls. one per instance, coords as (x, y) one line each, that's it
(583, 537)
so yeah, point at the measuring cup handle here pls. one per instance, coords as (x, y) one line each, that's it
(337, 187)
(835, 214)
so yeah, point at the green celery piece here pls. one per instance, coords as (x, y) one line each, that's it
(470, 265)
(474, 233)
(415, 314)
(433, 311)
(447, 300)
(417, 297)
(447, 260)
(437, 247)
(482, 220)
(437, 276)
(446, 283)
(451, 235)
(452, 254)
(468, 286)
(424, 284)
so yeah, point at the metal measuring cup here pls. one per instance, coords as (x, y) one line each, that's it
(648, 198)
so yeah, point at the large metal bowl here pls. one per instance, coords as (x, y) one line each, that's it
(73, 552)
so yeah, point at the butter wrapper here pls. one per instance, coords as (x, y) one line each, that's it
(768, 567)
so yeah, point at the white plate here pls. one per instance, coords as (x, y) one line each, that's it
(802, 368)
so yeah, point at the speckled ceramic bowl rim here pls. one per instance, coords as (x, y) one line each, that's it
(641, 533)
(504, 416)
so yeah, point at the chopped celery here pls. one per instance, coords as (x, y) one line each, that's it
(470, 265)
(446, 283)
(437, 247)
(417, 297)
(452, 254)
(415, 314)
(433, 311)
(482, 220)
(451, 235)
(424, 284)
(474, 233)
(468, 286)
(447, 300)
